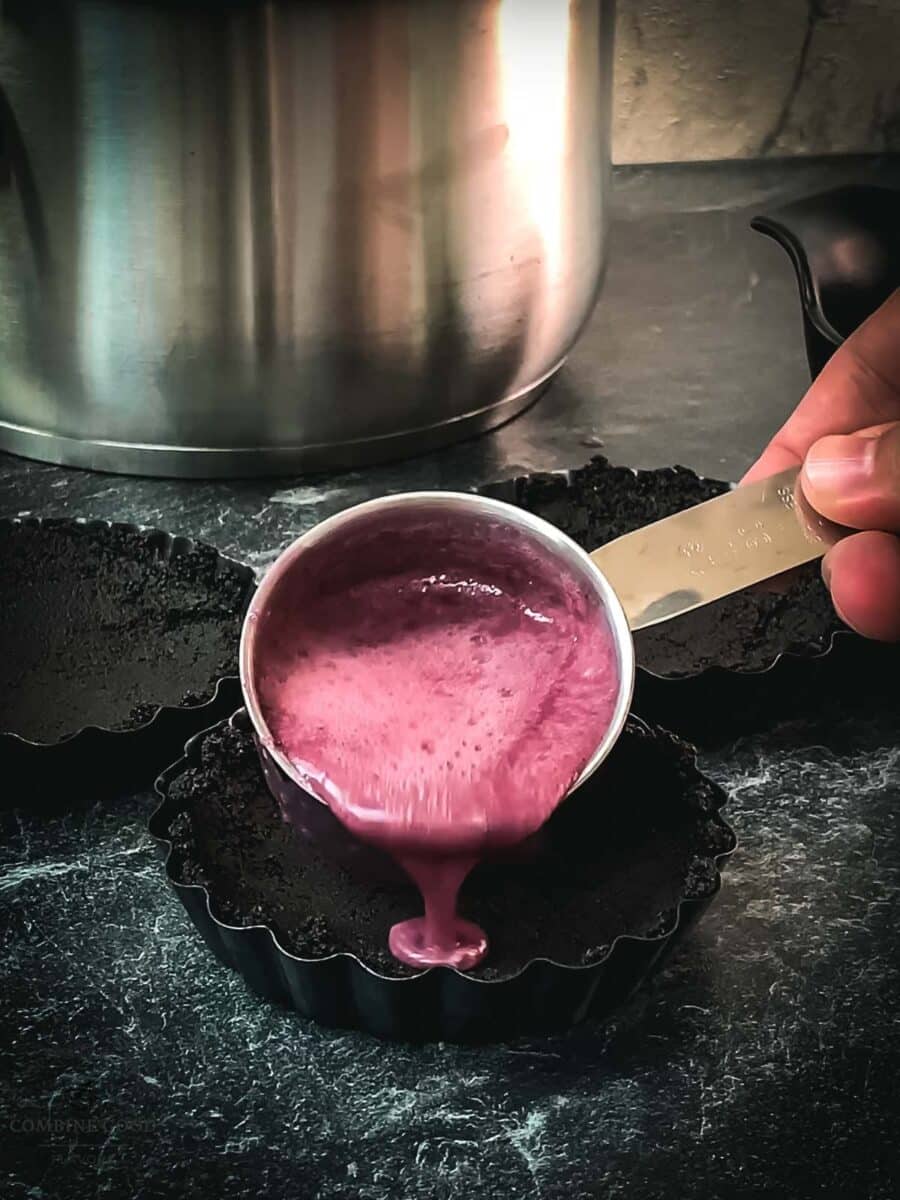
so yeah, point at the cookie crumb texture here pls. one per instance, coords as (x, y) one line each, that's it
(744, 632)
(102, 625)
(616, 858)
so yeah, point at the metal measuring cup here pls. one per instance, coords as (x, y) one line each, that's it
(651, 575)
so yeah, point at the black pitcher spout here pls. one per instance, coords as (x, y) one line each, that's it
(845, 247)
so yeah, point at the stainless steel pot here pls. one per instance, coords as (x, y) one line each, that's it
(243, 237)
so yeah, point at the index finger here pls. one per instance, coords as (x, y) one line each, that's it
(858, 387)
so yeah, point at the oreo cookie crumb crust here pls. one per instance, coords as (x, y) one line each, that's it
(101, 625)
(617, 858)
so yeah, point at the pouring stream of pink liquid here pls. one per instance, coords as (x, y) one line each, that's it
(442, 714)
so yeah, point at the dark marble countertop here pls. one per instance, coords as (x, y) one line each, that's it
(760, 1061)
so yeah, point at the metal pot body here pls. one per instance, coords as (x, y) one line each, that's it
(245, 237)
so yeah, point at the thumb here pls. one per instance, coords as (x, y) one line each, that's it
(854, 479)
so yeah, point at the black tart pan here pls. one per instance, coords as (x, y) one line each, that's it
(622, 868)
(116, 643)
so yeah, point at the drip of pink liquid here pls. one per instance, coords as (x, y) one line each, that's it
(441, 706)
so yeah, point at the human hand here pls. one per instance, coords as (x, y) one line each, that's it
(846, 433)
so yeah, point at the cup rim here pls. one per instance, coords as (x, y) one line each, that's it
(548, 534)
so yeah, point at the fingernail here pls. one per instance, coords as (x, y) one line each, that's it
(841, 467)
(826, 571)
(837, 609)
(826, 575)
